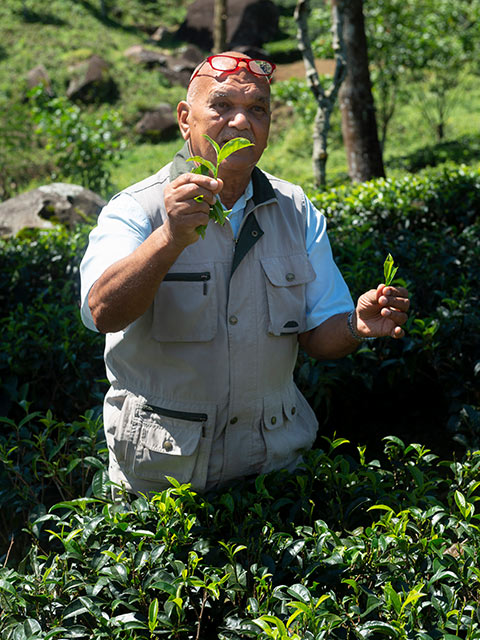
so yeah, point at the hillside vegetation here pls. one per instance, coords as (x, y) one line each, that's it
(60, 33)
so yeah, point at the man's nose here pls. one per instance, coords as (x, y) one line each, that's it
(239, 119)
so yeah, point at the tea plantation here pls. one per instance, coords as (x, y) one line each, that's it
(376, 536)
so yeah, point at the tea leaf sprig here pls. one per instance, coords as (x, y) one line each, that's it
(389, 270)
(217, 212)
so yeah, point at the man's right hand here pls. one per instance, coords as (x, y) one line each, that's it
(127, 288)
(187, 202)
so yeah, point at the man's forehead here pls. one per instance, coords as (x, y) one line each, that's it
(253, 91)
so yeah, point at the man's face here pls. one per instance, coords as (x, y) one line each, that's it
(227, 106)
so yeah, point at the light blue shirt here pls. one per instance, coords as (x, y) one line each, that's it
(123, 225)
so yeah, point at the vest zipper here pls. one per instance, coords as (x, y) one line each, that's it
(179, 415)
(182, 276)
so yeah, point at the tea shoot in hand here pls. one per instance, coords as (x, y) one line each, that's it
(389, 270)
(217, 212)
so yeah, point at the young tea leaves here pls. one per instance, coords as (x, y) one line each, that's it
(230, 147)
(213, 143)
(217, 212)
(204, 163)
(389, 270)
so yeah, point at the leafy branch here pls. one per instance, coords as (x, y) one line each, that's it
(217, 212)
(389, 270)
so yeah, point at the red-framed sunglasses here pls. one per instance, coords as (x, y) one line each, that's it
(230, 64)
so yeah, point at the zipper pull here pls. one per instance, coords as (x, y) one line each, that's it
(205, 278)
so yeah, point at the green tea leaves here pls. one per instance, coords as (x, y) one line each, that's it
(203, 163)
(231, 146)
(213, 143)
(217, 212)
(389, 270)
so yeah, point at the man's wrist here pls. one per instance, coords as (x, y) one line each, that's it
(353, 331)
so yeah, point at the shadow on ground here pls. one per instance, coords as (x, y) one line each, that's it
(465, 149)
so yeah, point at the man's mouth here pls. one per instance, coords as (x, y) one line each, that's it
(225, 140)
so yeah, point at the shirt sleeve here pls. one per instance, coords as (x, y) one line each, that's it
(328, 294)
(122, 226)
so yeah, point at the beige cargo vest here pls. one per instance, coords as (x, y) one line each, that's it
(202, 383)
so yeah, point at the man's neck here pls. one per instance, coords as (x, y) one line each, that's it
(233, 187)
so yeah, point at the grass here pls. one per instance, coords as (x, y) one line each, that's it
(60, 32)
(142, 160)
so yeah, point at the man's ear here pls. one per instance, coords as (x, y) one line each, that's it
(183, 112)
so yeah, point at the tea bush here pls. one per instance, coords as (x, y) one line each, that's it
(85, 147)
(44, 460)
(430, 223)
(344, 548)
(45, 351)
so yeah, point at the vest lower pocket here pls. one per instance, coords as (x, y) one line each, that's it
(286, 277)
(185, 305)
(289, 428)
(168, 443)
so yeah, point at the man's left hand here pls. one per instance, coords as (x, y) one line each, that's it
(382, 312)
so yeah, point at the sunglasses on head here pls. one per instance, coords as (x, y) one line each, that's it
(230, 64)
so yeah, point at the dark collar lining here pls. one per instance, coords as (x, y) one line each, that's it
(180, 164)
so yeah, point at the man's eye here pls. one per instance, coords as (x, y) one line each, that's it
(259, 109)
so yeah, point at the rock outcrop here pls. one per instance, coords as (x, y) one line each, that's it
(250, 23)
(48, 204)
(158, 124)
(92, 82)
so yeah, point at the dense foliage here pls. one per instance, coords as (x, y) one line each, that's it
(344, 548)
(43, 344)
(429, 222)
(84, 148)
(353, 545)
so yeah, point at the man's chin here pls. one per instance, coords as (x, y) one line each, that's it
(239, 164)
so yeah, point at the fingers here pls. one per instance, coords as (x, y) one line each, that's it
(397, 317)
(394, 303)
(393, 298)
(193, 184)
(187, 201)
(397, 333)
(191, 191)
(383, 311)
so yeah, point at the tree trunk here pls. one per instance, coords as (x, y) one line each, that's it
(325, 98)
(359, 125)
(219, 26)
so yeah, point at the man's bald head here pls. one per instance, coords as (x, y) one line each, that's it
(205, 70)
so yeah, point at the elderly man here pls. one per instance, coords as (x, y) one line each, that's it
(202, 334)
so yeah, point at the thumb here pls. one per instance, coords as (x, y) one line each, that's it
(379, 291)
(370, 297)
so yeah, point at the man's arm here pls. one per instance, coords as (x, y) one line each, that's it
(127, 288)
(378, 313)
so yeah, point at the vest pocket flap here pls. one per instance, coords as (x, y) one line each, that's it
(171, 437)
(273, 411)
(288, 271)
(285, 282)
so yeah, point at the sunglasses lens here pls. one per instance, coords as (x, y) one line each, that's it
(223, 63)
(228, 63)
(262, 67)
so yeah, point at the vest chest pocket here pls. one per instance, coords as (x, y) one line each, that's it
(185, 306)
(286, 278)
